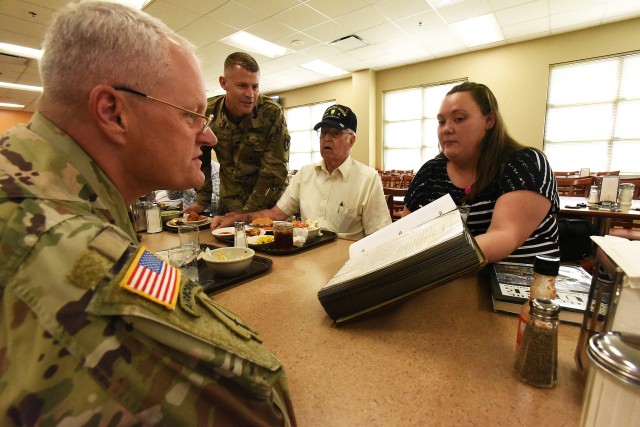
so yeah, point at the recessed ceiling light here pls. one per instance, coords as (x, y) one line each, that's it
(479, 30)
(25, 52)
(323, 68)
(20, 87)
(251, 43)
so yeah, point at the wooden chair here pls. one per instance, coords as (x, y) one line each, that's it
(607, 173)
(406, 180)
(391, 181)
(389, 199)
(577, 187)
(565, 174)
(626, 228)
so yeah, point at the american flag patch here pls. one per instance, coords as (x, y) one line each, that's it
(153, 278)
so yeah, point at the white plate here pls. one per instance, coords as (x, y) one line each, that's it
(172, 223)
(227, 233)
(253, 241)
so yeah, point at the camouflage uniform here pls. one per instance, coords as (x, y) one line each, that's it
(253, 157)
(77, 349)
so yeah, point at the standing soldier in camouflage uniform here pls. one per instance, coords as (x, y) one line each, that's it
(96, 331)
(253, 142)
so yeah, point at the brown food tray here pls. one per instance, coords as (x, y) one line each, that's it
(212, 282)
(327, 236)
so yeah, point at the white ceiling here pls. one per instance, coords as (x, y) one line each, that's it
(397, 32)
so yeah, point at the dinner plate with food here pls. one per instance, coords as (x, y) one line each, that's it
(265, 224)
(190, 219)
(226, 234)
(260, 241)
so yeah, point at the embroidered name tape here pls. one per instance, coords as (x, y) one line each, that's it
(153, 278)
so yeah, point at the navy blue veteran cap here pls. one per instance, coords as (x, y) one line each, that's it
(339, 117)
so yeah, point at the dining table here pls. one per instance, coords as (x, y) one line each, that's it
(601, 215)
(441, 357)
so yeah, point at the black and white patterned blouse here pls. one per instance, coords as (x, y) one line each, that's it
(525, 169)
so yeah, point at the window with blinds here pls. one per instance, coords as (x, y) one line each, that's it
(410, 125)
(593, 115)
(305, 147)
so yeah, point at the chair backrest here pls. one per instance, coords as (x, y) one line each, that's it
(578, 187)
(607, 173)
(564, 174)
(406, 180)
(391, 181)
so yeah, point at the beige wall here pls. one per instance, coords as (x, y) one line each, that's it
(10, 118)
(517, 74)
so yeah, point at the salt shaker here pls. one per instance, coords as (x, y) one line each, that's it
(240, 235)
(594, 195)
(537, 360)
(154, 218)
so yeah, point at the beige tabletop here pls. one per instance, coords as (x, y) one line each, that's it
(442, 357)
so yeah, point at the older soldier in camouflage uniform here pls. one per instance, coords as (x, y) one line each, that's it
(253, 142)
(78, 345)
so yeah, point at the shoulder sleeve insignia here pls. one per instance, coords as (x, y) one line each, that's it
(152, 278)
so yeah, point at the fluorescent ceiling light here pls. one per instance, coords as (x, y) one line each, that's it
(6, 104)
(251, 43)
(479, 30)
(25, 52)
(21, 87)
(323, 68)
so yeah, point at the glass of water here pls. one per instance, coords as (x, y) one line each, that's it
(186, 259)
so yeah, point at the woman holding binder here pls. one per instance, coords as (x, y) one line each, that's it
(508, 189)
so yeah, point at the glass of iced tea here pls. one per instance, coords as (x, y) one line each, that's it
(282, 236)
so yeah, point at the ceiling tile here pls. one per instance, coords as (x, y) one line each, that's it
(398, 9)
(270, 29)
(527, 29)
(300, 17)
(420, 23)
(529, 11)
(464, 10)
(174, 16)
(200, 7)
(380, 33)
(292, 41)
(236, 15)
(327, 31)
(268, 8)
(335, 8)
(206, 30)
(361, 19)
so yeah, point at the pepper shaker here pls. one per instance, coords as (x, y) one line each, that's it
(537, 360)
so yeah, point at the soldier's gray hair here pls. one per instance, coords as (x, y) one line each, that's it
(90, 43)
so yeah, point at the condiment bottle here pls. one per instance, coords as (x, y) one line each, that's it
(625, 194)
(545, 271)
(240, 235)
(537, 359)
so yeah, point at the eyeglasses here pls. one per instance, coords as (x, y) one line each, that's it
(333, 132)
(193, 114)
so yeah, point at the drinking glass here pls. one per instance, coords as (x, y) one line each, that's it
(189, 235)
(186, 259)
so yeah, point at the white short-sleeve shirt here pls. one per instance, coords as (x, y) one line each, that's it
(349, 201)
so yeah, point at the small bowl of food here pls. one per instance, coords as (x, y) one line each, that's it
(229, 261)
(169, 215)
(312, 229)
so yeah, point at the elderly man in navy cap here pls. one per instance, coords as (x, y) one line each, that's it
(342, 194)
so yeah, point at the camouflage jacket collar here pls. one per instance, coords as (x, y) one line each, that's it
(61, 170)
